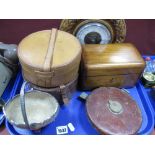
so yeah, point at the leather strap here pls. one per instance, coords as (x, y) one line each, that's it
(49, 55)
(65, 93)
(62, 95)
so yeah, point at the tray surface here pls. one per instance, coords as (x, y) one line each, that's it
(150, 93)
(72, 118)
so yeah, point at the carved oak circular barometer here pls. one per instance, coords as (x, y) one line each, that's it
(93, 31)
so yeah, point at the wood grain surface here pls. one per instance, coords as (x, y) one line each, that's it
(117, 65)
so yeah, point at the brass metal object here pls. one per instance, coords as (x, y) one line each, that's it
(115, 107)
(33, 111)
(148, 79)
(149, 76)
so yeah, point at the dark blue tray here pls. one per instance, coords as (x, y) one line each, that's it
(75, 113)
(151, 94)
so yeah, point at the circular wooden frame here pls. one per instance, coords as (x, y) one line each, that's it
(117, 27)
(103, 22)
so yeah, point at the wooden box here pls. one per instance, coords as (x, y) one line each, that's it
(111, 65)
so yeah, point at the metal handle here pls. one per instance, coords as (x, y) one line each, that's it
(22, 103)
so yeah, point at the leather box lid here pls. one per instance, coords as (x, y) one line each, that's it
(32, 49)
(113, 111)
(111, 59)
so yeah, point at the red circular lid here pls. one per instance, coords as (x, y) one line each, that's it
(113, 111)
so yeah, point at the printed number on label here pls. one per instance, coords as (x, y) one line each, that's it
(62, 130)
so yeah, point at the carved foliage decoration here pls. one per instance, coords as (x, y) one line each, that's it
(118, 25)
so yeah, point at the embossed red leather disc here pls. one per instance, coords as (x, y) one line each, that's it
(113, 111)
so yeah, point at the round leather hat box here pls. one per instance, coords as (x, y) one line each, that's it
(63, 93)
(113, 111)
(49, 58)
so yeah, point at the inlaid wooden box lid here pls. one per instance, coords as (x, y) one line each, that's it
(112, 59)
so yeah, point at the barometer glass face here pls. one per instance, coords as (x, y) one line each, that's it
(94, 33)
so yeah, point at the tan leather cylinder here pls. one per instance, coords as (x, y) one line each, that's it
(49, 58)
